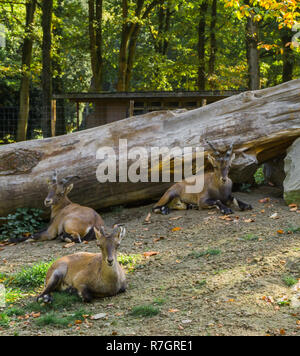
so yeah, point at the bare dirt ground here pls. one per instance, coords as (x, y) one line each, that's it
(212, 275)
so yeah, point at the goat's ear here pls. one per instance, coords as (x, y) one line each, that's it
(211, 160)
(99, 233)
(68, 189)
(119, 232)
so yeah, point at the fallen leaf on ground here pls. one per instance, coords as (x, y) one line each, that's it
(173, 310)
(69, 245)
(176, 229)
(176, 218)
(148, 217)
(274, 216)
(150, 253)
(249, 220)
(98, 316)
(282, 332)
(226, 217)
(280, 232)
(293, 206)
(264, 200)
(159, 239)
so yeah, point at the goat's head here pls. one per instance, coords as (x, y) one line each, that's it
(109, 242)
(58, 190)
(221, 162)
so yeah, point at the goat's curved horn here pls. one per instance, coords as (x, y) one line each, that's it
(66, 180)
(230, 149)
(212, 147)
(54, 177)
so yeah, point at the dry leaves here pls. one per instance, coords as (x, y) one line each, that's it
(173, 310)
(264, 200)
(148, 219)
(150, 253)
(274, 216)
(69, 245)
(176, 229)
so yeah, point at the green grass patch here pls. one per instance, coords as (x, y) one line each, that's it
(130, 262)
(60, 320)
(4, 320)
(289, 280)
(249, 237)
(31, 277)
(146, 311)
(159, 301)
(209, 252)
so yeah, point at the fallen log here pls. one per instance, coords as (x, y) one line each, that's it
(262, 124)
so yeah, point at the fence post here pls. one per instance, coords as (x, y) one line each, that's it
(53, 117)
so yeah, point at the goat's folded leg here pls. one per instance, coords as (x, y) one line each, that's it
(217, 203)
(241, 205)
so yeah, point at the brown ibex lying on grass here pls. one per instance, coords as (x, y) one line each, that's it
(217, 190)
(69, 221)
(91, 275)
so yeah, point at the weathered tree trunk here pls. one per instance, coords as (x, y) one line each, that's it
(25, 79)
(47, 7)
(262, 124)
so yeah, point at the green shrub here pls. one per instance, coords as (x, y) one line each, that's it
(22, 223)
(31, 277)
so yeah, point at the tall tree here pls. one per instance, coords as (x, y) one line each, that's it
(47, 8)
(201, 82)
(252, 39)
(25, 76)
(288, 56)
(131, 26)
(213, 41)
(95, 32)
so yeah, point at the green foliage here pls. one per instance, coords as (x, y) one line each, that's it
(55, 319)
(289, 280)
(31, 277)
(23, 222)
(259, 176)
(209, 252)
(249, 237)
(144, 311)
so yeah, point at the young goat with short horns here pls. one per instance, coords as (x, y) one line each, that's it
(91, 275)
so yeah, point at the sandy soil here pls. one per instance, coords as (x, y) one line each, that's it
(232, 289)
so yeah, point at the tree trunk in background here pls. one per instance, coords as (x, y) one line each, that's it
(95, 32)
(58, 82)
(273, 114)
(213, 41)
(287, 56)
(47, 7)
(129, 36)
(25, 79)
(252, 39)
(201, 46)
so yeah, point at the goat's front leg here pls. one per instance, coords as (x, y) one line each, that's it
(217, 203)
(47, 234)
(241, 205)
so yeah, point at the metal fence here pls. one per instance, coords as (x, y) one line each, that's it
(67, 119)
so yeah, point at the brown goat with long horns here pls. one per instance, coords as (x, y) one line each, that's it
(69, 221)
(217, 190)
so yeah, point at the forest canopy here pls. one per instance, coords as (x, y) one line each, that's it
(60, 46)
